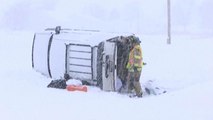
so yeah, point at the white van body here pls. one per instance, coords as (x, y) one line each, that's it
(89, 57)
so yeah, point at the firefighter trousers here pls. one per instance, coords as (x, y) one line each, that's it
(133, 82)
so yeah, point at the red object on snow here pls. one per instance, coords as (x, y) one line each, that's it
(76, 88)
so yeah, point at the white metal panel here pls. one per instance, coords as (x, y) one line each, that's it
(94, 62)
(40, 52)
(83, 48)
(57, 59)
(80, 68)
(79, 62)
(108, 70)
(79, 55)
(80, 76)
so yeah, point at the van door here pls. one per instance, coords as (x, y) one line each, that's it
(109, 66)
(41, 53)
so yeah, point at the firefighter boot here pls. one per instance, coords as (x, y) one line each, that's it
(138, 89)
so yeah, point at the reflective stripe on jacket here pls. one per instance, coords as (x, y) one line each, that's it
(135, 59)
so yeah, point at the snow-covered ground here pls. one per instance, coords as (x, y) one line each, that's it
(184, 68)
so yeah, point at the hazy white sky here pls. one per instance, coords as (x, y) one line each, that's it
(144, 16)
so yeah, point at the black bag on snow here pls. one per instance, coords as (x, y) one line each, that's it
(60, 84)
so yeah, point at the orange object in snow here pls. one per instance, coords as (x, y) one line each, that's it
(76, 88)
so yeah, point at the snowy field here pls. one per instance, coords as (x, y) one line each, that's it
(183, 68)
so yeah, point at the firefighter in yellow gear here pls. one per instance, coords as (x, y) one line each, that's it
(134, 67)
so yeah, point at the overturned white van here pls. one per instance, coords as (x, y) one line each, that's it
(93, 57)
